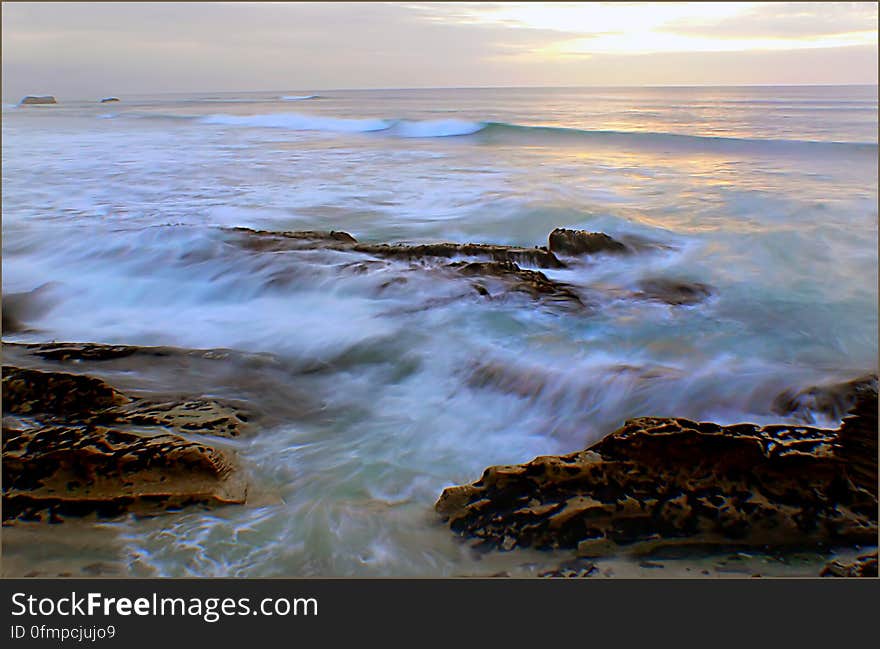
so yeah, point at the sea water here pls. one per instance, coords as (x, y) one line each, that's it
(766, 194)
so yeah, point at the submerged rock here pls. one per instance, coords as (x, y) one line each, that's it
(581, 242)
(832, 401)
(531, 282)
(668, 482)
(674, 292)
(538, 257)
(20, 308)
(73, 444)
(31, 99)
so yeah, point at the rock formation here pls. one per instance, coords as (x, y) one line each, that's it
(30, 99)
(668, 482)
(73, 445)
(581, 242)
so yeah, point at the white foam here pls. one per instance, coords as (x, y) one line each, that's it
(299, 122)
(302, 122)
(298, 97)
(437, 128)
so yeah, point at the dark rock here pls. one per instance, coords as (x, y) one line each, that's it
(31, 100)
(538, 257)
(333, 240)
(266, 241)
(674, 482)
(858, 439)
(73, 445)
(674, 292)
(19, 308)
(107, 100)
(863, 566)
(531, 282)
(54, 471)
(581, 242)
(27, 391)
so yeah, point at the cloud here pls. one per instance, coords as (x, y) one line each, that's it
(785, 20)
(81, 50)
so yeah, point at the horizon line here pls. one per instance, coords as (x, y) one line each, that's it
(508, 87)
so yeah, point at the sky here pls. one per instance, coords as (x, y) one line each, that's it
(87, 50)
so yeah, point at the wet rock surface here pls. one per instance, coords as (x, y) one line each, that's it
(334, 240)
(476, 261)
(672, 291)
(37, 100)
(673, 482)
(833, 401)
(582, 242)
(531, 282)
(74, 445)
(863, 566)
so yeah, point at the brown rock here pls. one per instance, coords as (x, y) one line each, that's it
(30, 100)
(666, 482)
(73, 444)
(581, 242)
(863, 566)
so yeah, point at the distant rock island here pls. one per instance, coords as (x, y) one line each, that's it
(31, 99)
(109, 99)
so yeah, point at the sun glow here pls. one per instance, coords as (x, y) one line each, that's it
(645, 28)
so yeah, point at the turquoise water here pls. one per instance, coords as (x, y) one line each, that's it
(768, 195)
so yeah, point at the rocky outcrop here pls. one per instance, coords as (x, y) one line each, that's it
(581, 242)
(31, 99)
(530, 282)
(538, 257)
(73, 445)
(862, 566)
(668, 482)
(485, 262)
(334, 240)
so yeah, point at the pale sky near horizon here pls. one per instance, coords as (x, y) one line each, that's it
(87, 50)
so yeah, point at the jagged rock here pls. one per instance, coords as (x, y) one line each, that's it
(54, 471)
(531, 282)
(863, 566)
(31, 99)
(73, 444)
(202, 416)
(581, 242)
(858, 439)
(674, 292)
(27, 392)
(661, 482)
(333, 240)
(107, 100)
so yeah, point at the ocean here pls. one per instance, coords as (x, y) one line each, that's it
(394, 382)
